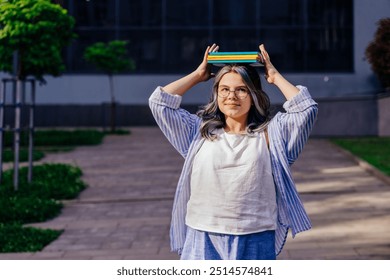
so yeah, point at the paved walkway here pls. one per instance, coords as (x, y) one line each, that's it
(125, 212)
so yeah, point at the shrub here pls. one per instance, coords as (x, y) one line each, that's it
(55, 181)
(8, 155)
(19, 209)
(378, 52)
(15, 238)
(35, 202)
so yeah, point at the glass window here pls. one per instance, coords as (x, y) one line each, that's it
(237, 40)
(286, 48)
(145, 49)
(234, 13)
(330, 12)
(281, 12)
(329, 49)
(140, 13)
(184, 50)
(76, 61)
(169, 36)
(179, 13)
(94, 13)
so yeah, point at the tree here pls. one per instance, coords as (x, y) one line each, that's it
(111, 58)
(34, 32)
(37, 30)
(378, 52)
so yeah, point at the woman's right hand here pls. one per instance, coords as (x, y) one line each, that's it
(201, 74)
(204, 69)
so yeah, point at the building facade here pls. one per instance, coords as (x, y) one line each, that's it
(316, 43)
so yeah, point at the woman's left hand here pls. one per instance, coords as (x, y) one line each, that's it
(274, 77)
(270, 70)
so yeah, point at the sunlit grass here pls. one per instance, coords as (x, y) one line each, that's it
(374, 150)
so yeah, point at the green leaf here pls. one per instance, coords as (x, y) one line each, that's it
(39, 30)
(111, 57)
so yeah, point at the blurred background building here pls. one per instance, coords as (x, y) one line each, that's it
(316, 43)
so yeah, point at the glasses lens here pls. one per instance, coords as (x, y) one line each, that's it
(223, 92)
(241, 93)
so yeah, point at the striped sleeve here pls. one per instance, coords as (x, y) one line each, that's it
(177, 124)
(297, 123)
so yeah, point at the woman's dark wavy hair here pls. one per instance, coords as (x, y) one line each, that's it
(259, 113)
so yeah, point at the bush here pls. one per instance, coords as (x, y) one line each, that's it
(8, 155)
(378, 52)
(15, 238)
(19, 209)
(35, 202)
(55, 181)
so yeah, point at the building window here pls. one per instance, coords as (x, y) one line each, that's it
(169, 36)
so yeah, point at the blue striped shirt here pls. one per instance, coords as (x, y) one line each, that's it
(287, 132)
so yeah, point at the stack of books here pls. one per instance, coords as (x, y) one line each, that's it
(223, 58)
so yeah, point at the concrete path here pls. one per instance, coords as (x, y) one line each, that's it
(125, 212)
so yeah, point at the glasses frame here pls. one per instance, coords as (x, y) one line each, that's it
(235, 91)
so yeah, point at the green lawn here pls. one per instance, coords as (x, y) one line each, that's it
(374, 150)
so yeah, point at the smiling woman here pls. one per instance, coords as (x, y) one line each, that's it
(235, 109)
(235, 198)
(248, 106)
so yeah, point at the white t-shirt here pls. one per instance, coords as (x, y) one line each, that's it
(232, 188)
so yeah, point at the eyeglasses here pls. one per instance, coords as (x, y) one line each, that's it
(240, 92)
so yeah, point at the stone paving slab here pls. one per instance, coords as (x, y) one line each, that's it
(348, 206)
(125, 211)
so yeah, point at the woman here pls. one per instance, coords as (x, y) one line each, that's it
(235, 197)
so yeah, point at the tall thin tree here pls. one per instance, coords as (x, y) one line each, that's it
(111, 58)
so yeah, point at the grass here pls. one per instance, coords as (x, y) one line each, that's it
(374, 150)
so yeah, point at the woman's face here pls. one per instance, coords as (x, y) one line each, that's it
(232, 106)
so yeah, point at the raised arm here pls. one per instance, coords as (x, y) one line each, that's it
(274, 77)
(201, 74)
(178, 125)
(295, 125)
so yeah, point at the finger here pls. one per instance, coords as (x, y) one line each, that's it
(264, 52)
(214, 48)
(261, 47)
(206, 53)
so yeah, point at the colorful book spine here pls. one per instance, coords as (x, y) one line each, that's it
(222, 58)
